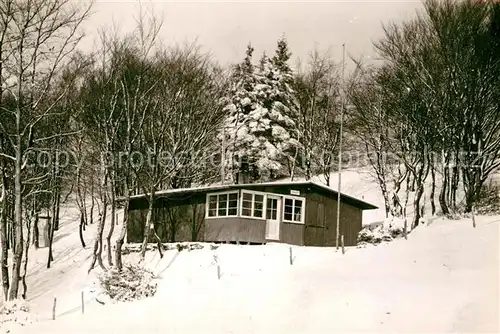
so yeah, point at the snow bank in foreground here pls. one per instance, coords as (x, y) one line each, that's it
(444, 278)
(14, 314)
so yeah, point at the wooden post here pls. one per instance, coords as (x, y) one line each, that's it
(405, 228)
(54, 309)
(473, 218)
(342, 242)
(342, 106)
(291, 256)
(83, 302)
(216, 260)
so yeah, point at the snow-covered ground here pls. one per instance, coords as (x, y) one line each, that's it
(67, 276)
(444, 278)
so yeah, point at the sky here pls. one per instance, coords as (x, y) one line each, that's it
(224, 28)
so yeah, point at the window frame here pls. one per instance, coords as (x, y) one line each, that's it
(279, 198)
(264, 204)
(302, 209)
(207, 204)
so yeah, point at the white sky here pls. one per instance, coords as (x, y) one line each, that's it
(225, 27)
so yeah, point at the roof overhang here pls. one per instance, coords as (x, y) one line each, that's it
(171, 193)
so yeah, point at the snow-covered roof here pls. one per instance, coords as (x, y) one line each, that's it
(220, 187)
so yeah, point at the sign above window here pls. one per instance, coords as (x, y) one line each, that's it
(294, 192)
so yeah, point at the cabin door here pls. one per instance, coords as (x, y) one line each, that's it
(273, 206)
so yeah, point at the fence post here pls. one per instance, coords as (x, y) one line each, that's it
(216, 260)
(291, 256)
(473, 217)
(342, 242)
(54, 309)
(83, 302)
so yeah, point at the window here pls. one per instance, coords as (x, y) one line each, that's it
(293, 210)
(272, 209)
(252, 205)
(223, 205)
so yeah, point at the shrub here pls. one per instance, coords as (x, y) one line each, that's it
(488, 199)
(132, 283)
(381, 233)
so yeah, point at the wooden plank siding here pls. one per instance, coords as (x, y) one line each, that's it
(291, 233)
(314, 230)
(181, 217)
(350, 222)
(235, 229)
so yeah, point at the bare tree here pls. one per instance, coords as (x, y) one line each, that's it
(188, 103)
(317, 99)
(39, 36)
(137, 90)
(429, 60)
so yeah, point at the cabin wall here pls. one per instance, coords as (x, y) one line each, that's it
(292, 233)
(235, 229)
(135, 226)
(174, 220)
(314, 229)
(350, 222)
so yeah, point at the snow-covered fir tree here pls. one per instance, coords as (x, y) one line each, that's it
(238, 142)
(276, 98)
(262, 133)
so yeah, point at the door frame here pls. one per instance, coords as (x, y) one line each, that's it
(278, 217)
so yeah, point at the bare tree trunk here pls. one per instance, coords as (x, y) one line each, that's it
(472, 191)
(293, 164)
(58, 208)
(52, 223)
(36, 232)
(454, 187)
(327, 178)
(81, 229)
(383, 187)
(26, 256)
(113, 211)
(123, 232)
(92, 200)
(419, 182)
(433, 187)
(407, 197)
(416, 206)
(380, 170)
(158, 242)
(327, 167)
(148, 226)
(18, 217)
(97, 254)
(3, 236)
(98, 243)
(80, 200)
(85, 213)
(442, 194)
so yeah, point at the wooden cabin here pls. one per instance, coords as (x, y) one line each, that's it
(298, 213)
